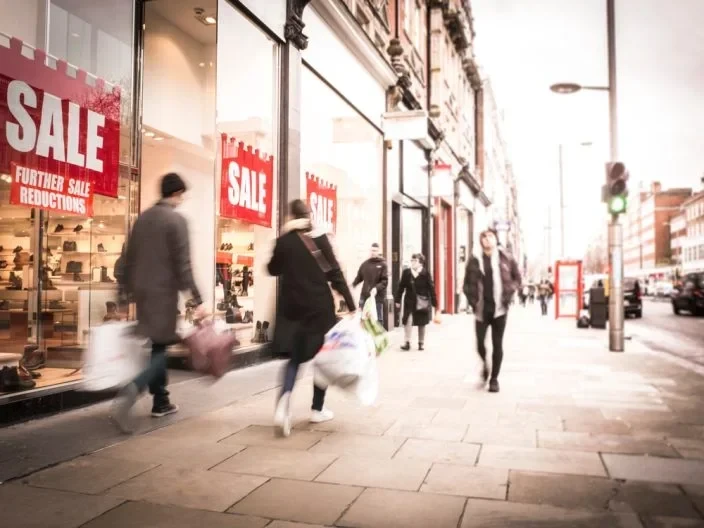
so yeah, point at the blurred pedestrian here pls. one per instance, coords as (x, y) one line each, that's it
(490, 281)
(155, 268)
(373, 275)
(418, 302)
(305, 262)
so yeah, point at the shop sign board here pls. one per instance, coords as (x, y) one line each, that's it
(247, 183)
(59, 131)
(322, 199)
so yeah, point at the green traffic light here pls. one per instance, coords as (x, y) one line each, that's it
(617, 205)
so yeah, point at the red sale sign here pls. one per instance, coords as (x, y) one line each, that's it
(57, 121)
(247, 183)
(44, 190)
(322, 199)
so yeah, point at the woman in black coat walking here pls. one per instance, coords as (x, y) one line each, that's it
(419, 301)
(305, 262)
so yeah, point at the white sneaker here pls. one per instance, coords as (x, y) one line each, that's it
(322, 416)
(282, 415)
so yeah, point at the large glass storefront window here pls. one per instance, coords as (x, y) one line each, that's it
(67, 182)
(178, 132)
(246, 192)
(341, 150)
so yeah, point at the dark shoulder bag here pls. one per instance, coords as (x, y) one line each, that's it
(422, 301)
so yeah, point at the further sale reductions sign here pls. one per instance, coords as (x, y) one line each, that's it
(322, 199)
(59, 131)
(247, 183)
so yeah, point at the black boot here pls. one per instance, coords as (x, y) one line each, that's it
(406, 347)
(257, 333)
(494, 385)
(420, 346)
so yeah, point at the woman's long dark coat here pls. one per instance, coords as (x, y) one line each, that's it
(421, 285)
(306, 307)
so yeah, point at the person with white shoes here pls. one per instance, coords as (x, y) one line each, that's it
(305, 263)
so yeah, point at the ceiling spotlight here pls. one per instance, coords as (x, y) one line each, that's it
(202, 65)
(157, 138)
(208, 20)
(150, 134)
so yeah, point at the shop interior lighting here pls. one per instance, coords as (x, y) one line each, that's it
(208, 20)
(150, 134)
(157, 138)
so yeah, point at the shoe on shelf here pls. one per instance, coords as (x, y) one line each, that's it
(164, 409)
(59, 228)
(406, 347)
(257, 333)
(121, 414)
(494, 385)
(18, 249)
(78, 228)
(282, 415)
(101, 248)
(322, 416)
(265, 332)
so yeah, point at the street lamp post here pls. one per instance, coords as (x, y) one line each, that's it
(616, 313)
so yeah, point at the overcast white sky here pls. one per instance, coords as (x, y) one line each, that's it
(524, 46)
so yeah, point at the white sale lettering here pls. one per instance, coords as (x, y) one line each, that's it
(322, 209)
(51, 140)
(247, 188)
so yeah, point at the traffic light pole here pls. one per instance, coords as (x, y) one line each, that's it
(616, 313)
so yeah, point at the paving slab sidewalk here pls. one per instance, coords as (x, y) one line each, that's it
(578, 436)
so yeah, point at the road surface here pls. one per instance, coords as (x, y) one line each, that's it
(681, 335)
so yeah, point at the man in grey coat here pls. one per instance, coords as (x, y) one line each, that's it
(157, 266)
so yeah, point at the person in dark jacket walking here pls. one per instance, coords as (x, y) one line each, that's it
(157, 266)
(418, 302)
(305, 262)
(373, 274)
(490, 282)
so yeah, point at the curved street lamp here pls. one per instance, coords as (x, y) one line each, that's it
(570, 88)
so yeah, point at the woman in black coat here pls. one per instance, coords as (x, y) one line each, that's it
(305, 262)
(419, 301)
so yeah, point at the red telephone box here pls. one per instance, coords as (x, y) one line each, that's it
(569, 288)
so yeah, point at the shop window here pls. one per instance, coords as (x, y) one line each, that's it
(178, 133)
(340, 150)
(246, 193)
(64, 209)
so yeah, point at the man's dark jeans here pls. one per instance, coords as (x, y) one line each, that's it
(155, 376)
(498, 326)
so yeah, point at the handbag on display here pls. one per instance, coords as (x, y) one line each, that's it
(74, 266)
(70, 245)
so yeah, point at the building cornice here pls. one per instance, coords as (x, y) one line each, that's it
(338, 16)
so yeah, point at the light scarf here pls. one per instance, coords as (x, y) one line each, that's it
(498, 283)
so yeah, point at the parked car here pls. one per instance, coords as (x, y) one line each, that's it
(689, 297)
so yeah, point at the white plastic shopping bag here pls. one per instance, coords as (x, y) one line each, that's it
(115, 355)
(348, 360)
